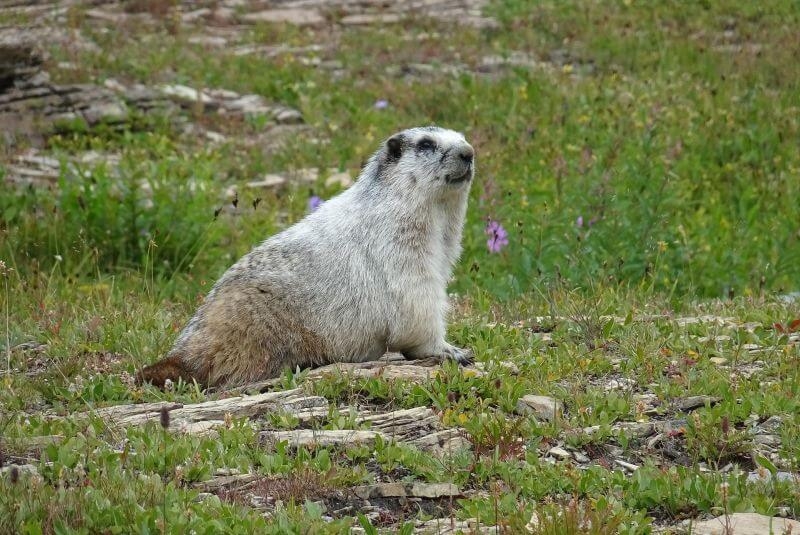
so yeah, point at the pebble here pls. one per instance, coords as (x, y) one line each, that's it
(543, 407)
(558, 453)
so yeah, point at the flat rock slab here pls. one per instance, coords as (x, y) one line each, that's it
(419, 427)
(407, 490)
(32, 107)
(203, 417)
(391, 366)
(296, 16)
(746, 524)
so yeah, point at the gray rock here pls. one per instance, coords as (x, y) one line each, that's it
(745, 524)
(771, 425)
(558, 453)
(765, 475)
(767, 440)
(298, 17)
(630, 467)
(407, 490)
(581, 457)
(543, 407)
(695, 402)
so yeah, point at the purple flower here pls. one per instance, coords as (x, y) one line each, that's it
(381, 104)
(314, 202)
(498, 237)
(579, 221)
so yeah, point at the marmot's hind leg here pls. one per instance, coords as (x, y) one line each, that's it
(171, 368)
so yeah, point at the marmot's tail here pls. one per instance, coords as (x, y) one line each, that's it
(171, 368)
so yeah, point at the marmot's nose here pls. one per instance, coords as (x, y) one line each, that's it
(467, 154)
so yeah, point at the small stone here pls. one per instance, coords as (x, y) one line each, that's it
(342, 179)
(543, 407)
(771, 424)
(307, 175)
(630, 467)
(105, 16)
(654, 441)
(268, 181)
(720, 338)
(369, 18)
(211, 41)
(695, 402)
(298, 17)
(192, 16)
(559, 453)
(580, 457)
(215, 137)
(185, 93)
(767, 440)
(623, 383)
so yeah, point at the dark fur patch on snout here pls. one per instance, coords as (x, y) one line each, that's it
(394, 147)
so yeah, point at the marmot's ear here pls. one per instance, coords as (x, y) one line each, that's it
(395, 146)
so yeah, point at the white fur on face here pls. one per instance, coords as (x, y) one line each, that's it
(432, 172)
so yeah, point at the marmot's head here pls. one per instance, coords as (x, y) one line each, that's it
(428, 158)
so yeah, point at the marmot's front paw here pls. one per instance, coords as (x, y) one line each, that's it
(463, 356)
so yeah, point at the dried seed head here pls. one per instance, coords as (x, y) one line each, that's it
(451, 397)
(14, 474)
(726, 425)
(164, 418)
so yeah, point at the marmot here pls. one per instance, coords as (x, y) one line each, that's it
(364, 274)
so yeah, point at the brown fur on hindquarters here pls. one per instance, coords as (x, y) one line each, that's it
(171, 368)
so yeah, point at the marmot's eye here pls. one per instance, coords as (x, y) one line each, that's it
(426, 144)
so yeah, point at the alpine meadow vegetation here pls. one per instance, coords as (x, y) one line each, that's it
(631, 255)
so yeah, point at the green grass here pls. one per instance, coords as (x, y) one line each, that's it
(646, 170)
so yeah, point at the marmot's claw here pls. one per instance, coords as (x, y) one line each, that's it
(464, 357)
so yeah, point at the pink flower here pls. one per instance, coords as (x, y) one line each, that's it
(498, 237)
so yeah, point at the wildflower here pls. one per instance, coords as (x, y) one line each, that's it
(579, 221)
(314, 202)
(498, 237)
(381, 104)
